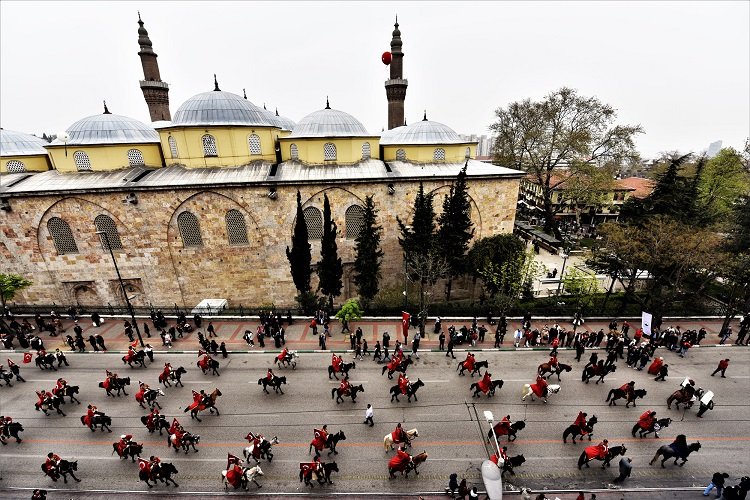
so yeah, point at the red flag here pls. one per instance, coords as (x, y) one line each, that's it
(201, 352)
(405, 318)
(27, 357)
(231, 459)
(195, 394)
(142, 464)
(134, 344)
(11, 363)
(175, 423)
(250, 436)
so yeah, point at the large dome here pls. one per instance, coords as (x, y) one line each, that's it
(329, 123)
(109, 129)
(423, 132)
(14, 143)
(220, 108)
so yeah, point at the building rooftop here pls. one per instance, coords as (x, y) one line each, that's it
(641, 187)
(329, 123)
(422, 132)
(14, 143)
(108, 129)
(220, 108)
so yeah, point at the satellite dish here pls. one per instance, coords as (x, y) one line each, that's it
(63, 137)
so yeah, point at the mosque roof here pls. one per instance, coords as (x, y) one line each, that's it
(422, 132)
(220, 108)
(108, 129)
(329, 123)
(14, 143)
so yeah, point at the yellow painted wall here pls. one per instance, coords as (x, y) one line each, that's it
(36, 163)
(348, 149)
(231, 145)
(104, 157)
(454, 153)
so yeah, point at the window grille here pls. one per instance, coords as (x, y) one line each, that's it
(468, 153)
(107, 225)
(82, 161)
(294, 152)
(135, 158)
(209, 145)
(401, 155)
(329, 151)
(253, 143)
(236, 228)
(314, 221)
(439, 154)
(354, 220)
(190, 230)
(62, 236)
(173, 147)
(15, 166)
(366, 151)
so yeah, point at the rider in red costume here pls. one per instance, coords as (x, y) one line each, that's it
(345, 387)
(581, 423)
(502, 428)
(142, 388)
(59, 386)
(309, 467)
(151, 419)
(282, 355)
(399, 435)
(125, 440)
(51, 463)
(336, 362)
(234, 470)
(176, 436)
(403, 383)
(400, 460)
(469, 362)
(130, 354)
(628, 389)
(553, 361)
(165, 372)
(541, 383)
(646, 420)
(503, 454)
(108, 381)
(486, 383)
(603, 449)
(269, 375)
(174, 427)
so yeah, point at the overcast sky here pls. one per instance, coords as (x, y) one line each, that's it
(680, 69)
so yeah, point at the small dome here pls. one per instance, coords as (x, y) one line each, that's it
(14, 143)
(220, 108)
(109, 129)
(329, 123)
(284, 123)
(422, 132)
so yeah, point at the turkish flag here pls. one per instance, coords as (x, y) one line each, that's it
(27, 357)
(134, 344)
(405, 318)
(142, 464)
(231, 459)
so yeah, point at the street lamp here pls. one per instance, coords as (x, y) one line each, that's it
(407, 242)
(491, 473)
(122, 286)
(565, 256)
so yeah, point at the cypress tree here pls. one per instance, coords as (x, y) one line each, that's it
(369, 256)
(330, 270)
(420, 237)
(300, 256)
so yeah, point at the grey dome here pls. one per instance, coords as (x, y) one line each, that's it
(329, 123)
(422, 132)
(285, 123)
(220, 108)
(109, 129)
(14, 143)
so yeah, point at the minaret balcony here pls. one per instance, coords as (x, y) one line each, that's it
(154, 83)
(397, 81)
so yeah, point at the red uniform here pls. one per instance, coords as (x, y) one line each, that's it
(203, 363)
(395, 361)
(282, 354)
(503, 427)
(403, 383)
(599, 451)
(174, 427)
(553, 360)
(555, 345)
(469, 362)
(234, 476)
(141, 391)
(345, 387)
(197, 399)
(150, 420)
(59, 386)
(336, 362)
(486, 383)
(398, 435)
(723, 364)
(129, 355)
(646, 420)
(307, 468)
(540, 388)
(145, 466)
(655, 366)
(399, 461)
(269, 375)
(626, 388)
(165, 372)
(321, 436)
(123, 444)
(51, 462)
(176, 437)
(581, 423)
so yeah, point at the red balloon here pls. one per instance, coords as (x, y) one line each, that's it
(386, 58)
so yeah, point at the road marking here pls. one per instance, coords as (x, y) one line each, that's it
(41, 380)
(437, 381)
(739, 376)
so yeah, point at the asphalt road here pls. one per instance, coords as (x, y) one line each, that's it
(448, 431)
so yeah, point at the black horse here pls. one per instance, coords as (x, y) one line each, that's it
(331, 442)
(615, 394)
(660, 424)
(175, 376)
(162, 472)
(213, 365)
(410, 392)
(738, 491)
(611, 454)
(574, 430)
(49, 403)
(64, 467)
(117, 384)
(353, 390)
(46, 361)
(511, 463)
(275, 382)
(401, 367)
(132, 450)
(70, 391)
(159, 423)
(99, 419)
(324, 478)
(149, 397)
(496, 384)
(514, 428)
(139, 358)
(477, 366)
(11, 430)
(188, 440)
(590, 372)
(345, 367)
(668, 452)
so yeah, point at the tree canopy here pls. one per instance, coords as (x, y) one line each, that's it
(300, 255)
(330, 269)
(368, 255)
(10, 284)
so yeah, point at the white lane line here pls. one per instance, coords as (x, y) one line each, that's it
(739, 376)
(437, 381)
(40, 380)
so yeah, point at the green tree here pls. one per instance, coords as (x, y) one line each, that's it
(455, 229)
(581, 286)
(420, 237)
(369, 256)
(10, 284)
(560, 134)
(300, 258)
(499, 261)
(330, 270)
(723, 182)
(350, 311)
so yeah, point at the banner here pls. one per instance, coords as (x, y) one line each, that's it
(646, 323)
(27, 357)
(405, 319)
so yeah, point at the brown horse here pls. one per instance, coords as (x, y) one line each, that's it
(210, 405)
(557, 370)
(683, 397)
(415, 461)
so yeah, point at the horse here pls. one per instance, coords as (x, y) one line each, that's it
(388, 439)
(590, 372)
(210, 405)
(70, 391)
(49, 403)
(514, 428)
(132, 450)
(668, 452)
(737, 491)
(511, 463)
(276, 383)
(137, 358)
(98, 419)
(212, 365)
(345, 367)
(354, 389)
(162, 472)
(321, 478)
(117, 384)
(188, 440)
(682, 397)
(64, 467)
(529, 391)
(175, 375)
(248, 474)
(150, 396)
(331, 442)
(416, 460)
(411, 391)
(494, 385)
(655, 428)
(7, 377)
(46, 361)
(400, 367)
(611, 454)
(11, 430)
(615, 394)
(159, 423)
(574, 430)
(477, 366)
(557, 370)
(263, 450)
(289, 360)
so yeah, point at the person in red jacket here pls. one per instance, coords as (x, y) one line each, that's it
(151, 419)
(403, 383)
(486, 383)
(502, 428)
(125, 440)
(581, 422)
(469, 362)
(166, 372)
(345, 387)
(399, 462)
(553, 361)
(336, 362)
(269, 375)
(51, 464)
(723, 365)
(628, 389)
(645, 421)
(399, 435)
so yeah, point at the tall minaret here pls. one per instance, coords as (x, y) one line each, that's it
(154, 90)
(395, 88)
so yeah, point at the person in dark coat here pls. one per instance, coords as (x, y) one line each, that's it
(92, 341)
(214, 346)
(223, 349)
(625, 469)
(96, 319)
(146, 330)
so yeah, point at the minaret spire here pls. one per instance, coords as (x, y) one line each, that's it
(216, 84)
(328, 106)
(395, 88)
(106, 111)
(155, 91)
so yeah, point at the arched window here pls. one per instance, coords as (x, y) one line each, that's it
(15, 166)
(135, 158)
(209, 145)
(173, 147)
(105, 224)
(354, 220)
(62, 236)
(190, 230)
(236, 228)
(468, 153)
(366, 151)
(400, 155)
(82, 161)
(329, 151)
(294, 152)
(314, 221)
(439, 154)
(253, 142)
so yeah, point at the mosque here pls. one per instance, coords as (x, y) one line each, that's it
(201, 203)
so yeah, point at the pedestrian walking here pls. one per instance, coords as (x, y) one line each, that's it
(248, 336)
(149, 352)
(223, 349)
(441, 339)
(517, 336)
(15, 371)
(386, 341)
(723, 365)
(80, 343)
(92, 341)
(321, 341)
(358, 352)
(352, 340)
(96, 319)
(368, 415)
(378, 354)
(717, 481)
(365, 349)
(344, 326)
(415, 344)
(625, 469)
(450, 349)
(211, 331)
(725, 334)
(167, 339)
(146, 330)
(100, 342)
(452, 488)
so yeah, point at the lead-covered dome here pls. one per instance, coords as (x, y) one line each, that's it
(14, 143)
(109, 129)
(220, 108)
(423, 132)
(329, 123)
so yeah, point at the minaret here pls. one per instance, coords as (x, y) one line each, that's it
(154, 90)
(395, 88)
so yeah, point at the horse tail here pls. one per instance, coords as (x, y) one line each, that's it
(566, 433)
(333, 391)
(610, 395)
(260, 381)
(582, 459)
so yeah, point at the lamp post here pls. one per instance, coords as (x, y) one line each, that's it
(491, 473)
(565, 256)
(122, 286)
(407, 242)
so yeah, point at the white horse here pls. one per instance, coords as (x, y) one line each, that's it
(248, 474)
(250, 451)
(528, 391)
(388, 440)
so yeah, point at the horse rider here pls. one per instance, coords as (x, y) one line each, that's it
(152, 418)
(503, 427)
(336, 362)
(130, 354)
(486, 382)
(60, 386)
(154, 463)
(399, 435)
(503, 454)
(646, 420)
(402, 458)
(345, 387)
(315, 466)
(581, 423)
(403, 383)
(111, 377)
(176, 437)
(52, 463)
(254, 439)
(602, 449)
(174, 427)
(321, 434)
(205, 399)
(553, 361)
(468, 363)
(269, 376)
(91, 412)
(283, 355)
(143, 388)
(628, 389)
(43, 396)
(541, 382)
(125, 441)
(679, 445)
(165, 374)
